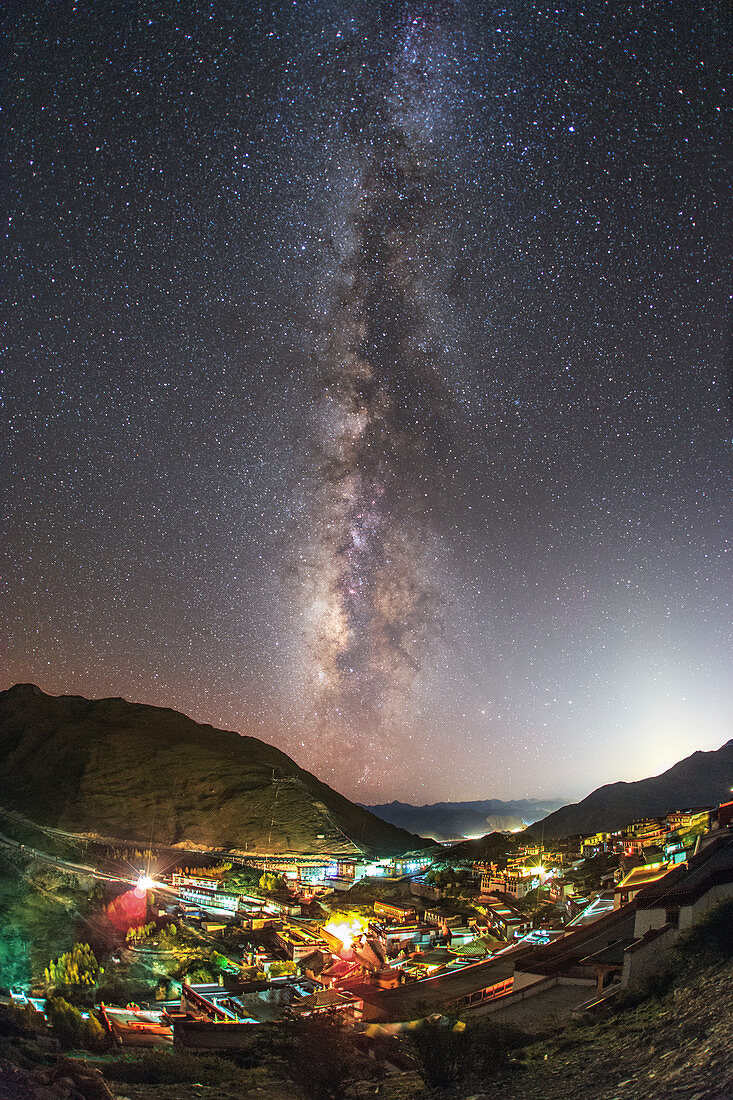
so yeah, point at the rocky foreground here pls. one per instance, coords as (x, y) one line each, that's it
(679, 1047)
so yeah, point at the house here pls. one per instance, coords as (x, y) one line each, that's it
(594, 843)
(687, 820)
(425, 963)
(211, 1017)
(328, 1001)
(636, 879)
(724, 814)
(505, 921)
(690, 888)
(396, 937)
(470, 949)
(460, 934)
(333, 975)
(514, 883)
(136, 1027)
(442, 916)
(205, 892)
(393, 911)
(179, 879)
(560, 890)
(297, 942)
(413, 864)
(669, 906)
(592, 911)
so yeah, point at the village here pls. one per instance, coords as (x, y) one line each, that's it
(541, 934)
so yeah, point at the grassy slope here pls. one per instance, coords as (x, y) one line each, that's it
(679, 1045)
(40, 908)
(124, 769)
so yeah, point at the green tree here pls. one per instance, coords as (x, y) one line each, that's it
(241, 878)
(169, 937)
(70, 1027)
(78, 967)
(137, 935)
(270, 881)
(278, 968)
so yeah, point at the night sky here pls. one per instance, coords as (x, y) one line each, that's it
(364, 383)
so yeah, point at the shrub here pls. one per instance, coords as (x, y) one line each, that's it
(163, 1067)
(279, 968)
(22, 1020)
(709, 940)
(446, 1050)
(70, 1027)
(320, 1056)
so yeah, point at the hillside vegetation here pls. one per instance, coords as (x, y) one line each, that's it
(126, 770)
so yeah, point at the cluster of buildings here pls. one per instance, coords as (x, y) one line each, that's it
(648, 849)
(313, 875)
(429, 947)
(422, 947)
(640, 854)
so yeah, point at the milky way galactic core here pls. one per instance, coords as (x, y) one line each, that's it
(371, 589)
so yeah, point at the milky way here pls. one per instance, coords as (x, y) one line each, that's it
(372, 598)
(364, 381)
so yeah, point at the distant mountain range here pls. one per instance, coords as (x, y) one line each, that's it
(487, 849)
(130, 771)
(703, 779)
(452, 821)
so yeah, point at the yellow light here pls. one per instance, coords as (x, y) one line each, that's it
(345, 930)
(145, 883)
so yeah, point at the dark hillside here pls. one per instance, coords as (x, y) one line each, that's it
(123, 769)
(702, 779)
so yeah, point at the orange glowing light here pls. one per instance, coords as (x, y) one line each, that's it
(346, 931)
(144, 883)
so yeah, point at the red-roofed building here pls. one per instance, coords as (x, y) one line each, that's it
(725, 815)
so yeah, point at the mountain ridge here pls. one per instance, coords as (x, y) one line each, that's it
(125, 767)
(704, 778)
(450, 821)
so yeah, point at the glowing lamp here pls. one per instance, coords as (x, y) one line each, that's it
(344, 932)
(340, 931)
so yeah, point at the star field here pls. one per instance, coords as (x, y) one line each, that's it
(364, 381)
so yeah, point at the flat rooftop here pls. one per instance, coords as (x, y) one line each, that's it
(403, 1002)
(712, 864)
